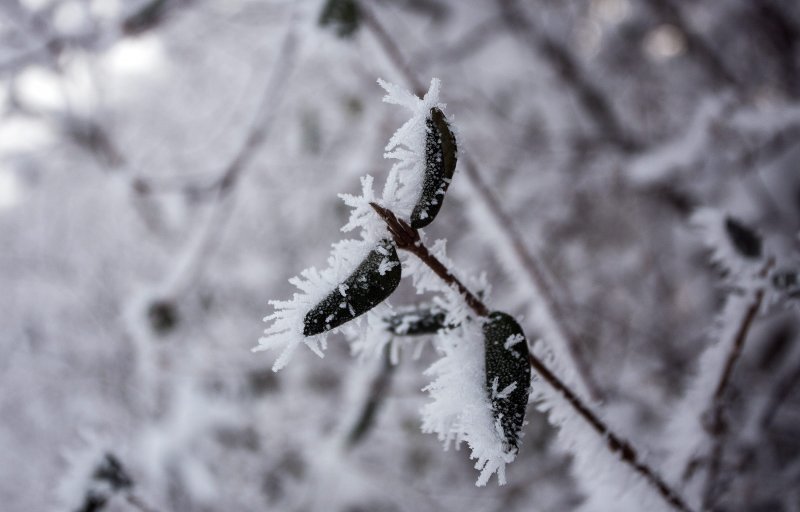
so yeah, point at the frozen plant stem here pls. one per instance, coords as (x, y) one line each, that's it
(407, 238)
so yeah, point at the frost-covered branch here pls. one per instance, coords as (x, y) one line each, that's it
(408, 239)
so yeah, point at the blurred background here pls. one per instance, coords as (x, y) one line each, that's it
(167, 165)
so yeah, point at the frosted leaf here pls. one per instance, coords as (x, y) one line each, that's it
(286, 330)
(508, 374)
(460, 409)
(735, 248)
(408, 147)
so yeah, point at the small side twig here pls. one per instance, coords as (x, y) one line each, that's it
(407, 238)
(717, 424)
(379, 388)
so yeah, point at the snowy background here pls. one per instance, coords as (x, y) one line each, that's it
(167, 165)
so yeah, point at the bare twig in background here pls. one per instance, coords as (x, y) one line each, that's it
(596, 104)
(378, 389)
(717, 424)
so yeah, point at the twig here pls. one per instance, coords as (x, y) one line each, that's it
(379, 387)
(531, 265)
(717, 424)
(407, 238)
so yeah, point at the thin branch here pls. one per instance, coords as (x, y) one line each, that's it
(530, 264)
(407, 238)
(378, 389)
(717, 424)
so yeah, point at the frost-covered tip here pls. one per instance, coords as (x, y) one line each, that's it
(360, 276)
(426, 153)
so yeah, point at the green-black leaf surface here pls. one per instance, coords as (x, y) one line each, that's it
(365, 288)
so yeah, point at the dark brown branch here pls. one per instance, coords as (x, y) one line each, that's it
(407, 238)
(616, 444)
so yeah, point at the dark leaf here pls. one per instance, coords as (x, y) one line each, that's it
(111, 471)
(506, 364)
(440, 164)
(343, 15)
(416, 322)
(163, 316)
(364, 289)
(746, 241)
